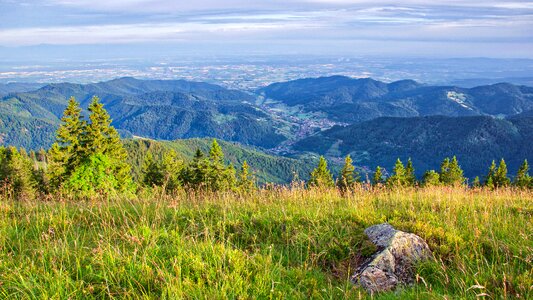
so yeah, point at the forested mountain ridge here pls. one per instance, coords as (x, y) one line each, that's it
(474, 140)
(353, 100)
(163, 109)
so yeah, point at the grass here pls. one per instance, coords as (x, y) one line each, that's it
(277, 243)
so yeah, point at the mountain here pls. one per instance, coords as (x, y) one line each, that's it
(351, 100)
(12, 87)
(476, 141)
(266, 168)
(162, 109)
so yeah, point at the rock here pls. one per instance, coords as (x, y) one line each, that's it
(393, 264)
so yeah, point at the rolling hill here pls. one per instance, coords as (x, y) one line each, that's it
(476, 141)
(162, 109)
(351, 100)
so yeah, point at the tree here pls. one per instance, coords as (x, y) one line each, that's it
(398, 178)
(65, 153)
(522, 179)
(431, 178)
(321, 176)
(152, 175)
(500, 178)
(16, 171)
(171, 169)
(196, 172)
(378, 176)
(93, 177)
(489, 179)
(348, 177)
(217, 173)
(476, 182)
(246, 181)
(410, 177)
(451, 173)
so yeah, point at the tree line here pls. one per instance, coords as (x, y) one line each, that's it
(88, 159)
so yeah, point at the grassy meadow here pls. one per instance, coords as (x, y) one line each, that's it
(270, 244)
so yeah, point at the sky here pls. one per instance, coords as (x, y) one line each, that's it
(115, 28)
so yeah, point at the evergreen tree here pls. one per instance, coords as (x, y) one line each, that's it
(398, 178)
(246, 182)
(451, 173)
(152, 175)
(476, 182)
(217, 171)
(321, 176)
(500, 178)
(171, 168)
(65, 153)
(196, 172)
(102, 138)
(431, 178)
(489, 179)
(522, 179)
(16, 171)
(378, 176)
(410, 176)
(348, 177)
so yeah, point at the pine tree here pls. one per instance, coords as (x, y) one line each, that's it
(500, 178)
(16, 170)
(216, 174)
(152, 175)
(522, 179)
(451, 173)
(321, 176)
(489, 179)
(65, 153)
(196, 172)
(431, 178)
(398, 178)
(171, 168)
(410, 176)
(246, 182)
(102, 138)
(476, 182)
(348, 177)
(378, 176)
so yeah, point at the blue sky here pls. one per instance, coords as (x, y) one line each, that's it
(456, 28)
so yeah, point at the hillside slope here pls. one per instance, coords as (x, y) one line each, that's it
(427, 140)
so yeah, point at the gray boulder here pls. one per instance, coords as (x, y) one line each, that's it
(393, 264)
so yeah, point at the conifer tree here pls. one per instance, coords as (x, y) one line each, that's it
(16, 170)
(410, 176)
(246, 182)
(216, 174)
(522, 179)
(196, 173)
(102, 138)
(500, 178)
(476, 182)
(378, 176)
(489, 179)
(431, 178)
(65, 153)
(321, 176)
(152, 175)
(398, 178)
(451, 173)
(348, 177)
(171, 168)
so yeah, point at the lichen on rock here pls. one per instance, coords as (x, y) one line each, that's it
(393, 264)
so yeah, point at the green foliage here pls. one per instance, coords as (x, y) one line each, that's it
(348, 176)
(93, 177)
(399, 175)
(500, 178)
(431, 178)
(489, 179)
(378, 177)
(16, 171)
(410, 176)
(476, 182)
(522, 179)
(451, 173)
(246, 181)
(321, 176)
